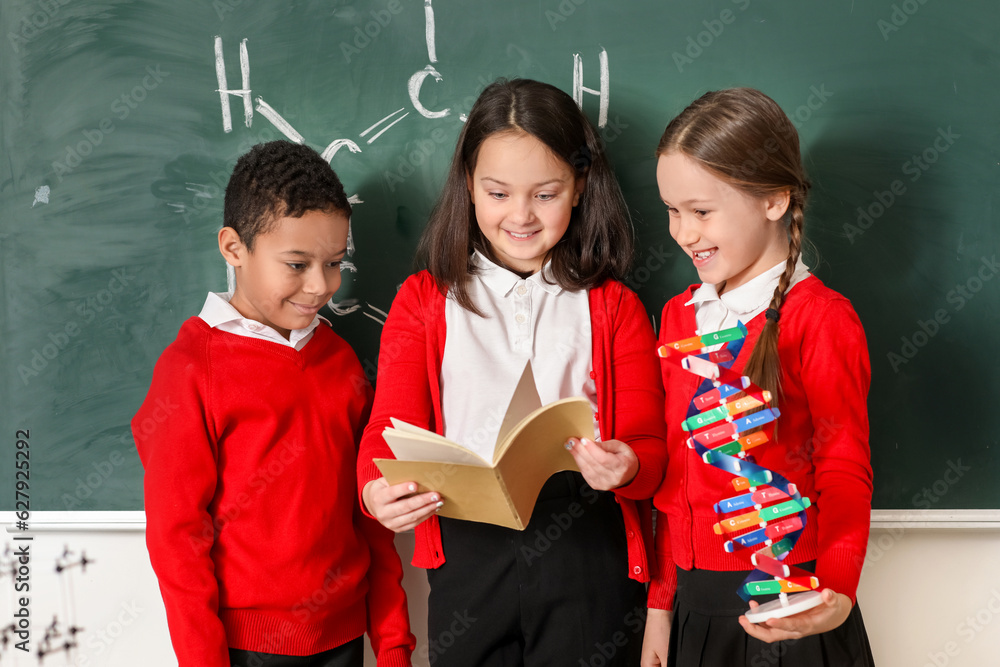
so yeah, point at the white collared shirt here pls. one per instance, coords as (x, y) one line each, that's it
(218, 313)
(741, 304)
(526, 319)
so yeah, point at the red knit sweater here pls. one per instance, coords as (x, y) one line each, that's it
(252, 523)
(629, 397)
(821, 445)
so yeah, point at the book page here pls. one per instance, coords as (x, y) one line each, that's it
(536, 449)
(524, 401)
(412, 443)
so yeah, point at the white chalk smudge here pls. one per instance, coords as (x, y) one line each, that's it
(41, 195)
(345, 307)
(350, 239)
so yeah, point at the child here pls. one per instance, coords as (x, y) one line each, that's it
(521, 253)
(730, 174)
(253, 524)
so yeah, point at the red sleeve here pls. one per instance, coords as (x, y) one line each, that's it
(836, 376)
(664, 582)
(638, 399)
(388, 618)
(178, 453)
(403, 390)
(663, 585)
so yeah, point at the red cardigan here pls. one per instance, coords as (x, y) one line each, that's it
(252, 521)
(629, 397)
(821, 445)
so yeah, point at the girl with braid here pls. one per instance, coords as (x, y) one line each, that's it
(730, 174)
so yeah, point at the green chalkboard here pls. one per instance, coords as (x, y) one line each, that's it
(116, 153)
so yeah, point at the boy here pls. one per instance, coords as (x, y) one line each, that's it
(253, 527)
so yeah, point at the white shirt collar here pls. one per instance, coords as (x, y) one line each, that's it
(742, 303)
(502, 280)
(219, 313)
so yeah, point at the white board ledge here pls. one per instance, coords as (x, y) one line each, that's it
(69, 522)
(936, 519)
(114, 521)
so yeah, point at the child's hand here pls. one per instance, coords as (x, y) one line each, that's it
(398, 507)
(825, 617)
(656, 640)
(605, 465)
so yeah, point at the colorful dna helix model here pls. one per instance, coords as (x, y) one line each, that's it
(728, 417)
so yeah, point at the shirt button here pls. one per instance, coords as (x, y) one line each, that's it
(631, 534)
(522, 290)
(593, 375)
(637, 569)
(597, 416)
(520, 318)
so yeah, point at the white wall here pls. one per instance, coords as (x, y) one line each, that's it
(930, 596)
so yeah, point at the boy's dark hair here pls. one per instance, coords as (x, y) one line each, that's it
(597, 244)
(279, 179)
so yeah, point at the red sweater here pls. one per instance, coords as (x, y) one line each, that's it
(252, 522)
(629, 397)
(821, 445)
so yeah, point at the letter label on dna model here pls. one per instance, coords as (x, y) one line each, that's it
(728, 417)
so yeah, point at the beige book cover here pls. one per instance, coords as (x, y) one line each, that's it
(530, 449)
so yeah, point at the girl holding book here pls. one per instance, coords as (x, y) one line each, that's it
(523, 255)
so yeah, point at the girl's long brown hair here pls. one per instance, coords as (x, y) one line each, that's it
(744, 137)
(597, 244)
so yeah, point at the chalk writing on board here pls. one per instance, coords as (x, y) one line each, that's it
(386, 128)
(380, 320)
(603, 93)
(380, 127)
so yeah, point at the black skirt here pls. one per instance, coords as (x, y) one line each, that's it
(556, 593)
(706, 631)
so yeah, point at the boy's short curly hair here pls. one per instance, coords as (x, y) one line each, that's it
(279, 179)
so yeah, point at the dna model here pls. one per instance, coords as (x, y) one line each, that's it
(728, 417)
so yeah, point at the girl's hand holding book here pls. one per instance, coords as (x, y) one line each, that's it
(398, 507)
(605, 465)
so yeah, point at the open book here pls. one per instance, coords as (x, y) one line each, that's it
(530, 449)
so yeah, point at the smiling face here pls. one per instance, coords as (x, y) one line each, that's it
(294, 268)
(730, 236)
(523, 197)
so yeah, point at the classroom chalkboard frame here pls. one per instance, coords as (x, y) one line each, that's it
(118, 153)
